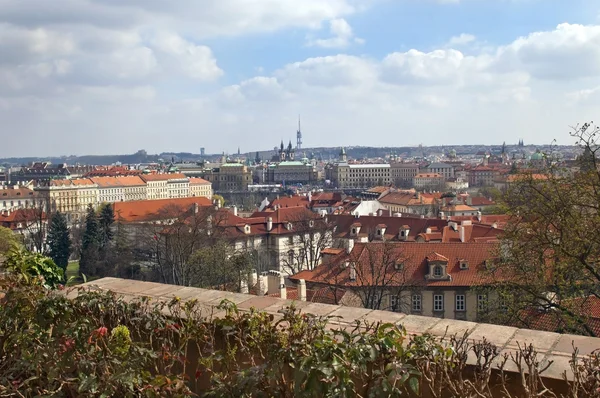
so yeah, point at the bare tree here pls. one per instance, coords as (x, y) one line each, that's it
(172, 236)
(381, 275)
(310, 234)
(548, 262)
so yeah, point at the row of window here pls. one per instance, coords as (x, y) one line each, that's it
(460, 302)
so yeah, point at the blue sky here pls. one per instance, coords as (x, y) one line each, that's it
(115, 76)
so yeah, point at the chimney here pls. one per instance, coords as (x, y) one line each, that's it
(479, 216)
(195, 208)
(269, 224)
(263, 284)
(253, 278)
(352, 273)
(302, 290)
(442, 215)
(349, 245)
(461, 233)
(235, 211)
(428, 231)
(244, 286)
(282, 289)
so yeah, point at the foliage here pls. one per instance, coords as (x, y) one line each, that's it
(8, 239)
(59, 240)
(549, 258)
(216, 267)
(97, 344)
(219, 199)
(106, 218)
(34, 267)
(90, 244)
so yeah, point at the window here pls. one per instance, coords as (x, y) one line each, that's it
(460, 302)
(482, 302)
(438, 302)
(416, 302)
(395, 303)
(437, 271)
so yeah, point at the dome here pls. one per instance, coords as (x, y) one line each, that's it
(537, 156)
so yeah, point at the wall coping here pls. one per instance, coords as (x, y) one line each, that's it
(551, 346)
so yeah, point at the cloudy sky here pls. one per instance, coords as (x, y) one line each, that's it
(115, 76)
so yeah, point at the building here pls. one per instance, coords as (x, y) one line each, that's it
(147, 211)
(428, 180)
(410, 202)
(14, 197)
(110, 189)
(30, 223)
(408, 228)
(402, 174)
(291, 172)
(134, 188)
(166, 185)
(69, 196)
(45, 171)
(444, 169)
(361, 175)
(200, 188)
(482, 176)
(433, 279)
(229, 177)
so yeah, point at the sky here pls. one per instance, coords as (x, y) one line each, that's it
(82, 77)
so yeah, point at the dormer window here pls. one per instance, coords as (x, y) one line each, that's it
(289, 226)
(464, 264)
(247, 229)
(353, 231)
(311, 223)
(399, 265)
(378, 232)
(438, 271)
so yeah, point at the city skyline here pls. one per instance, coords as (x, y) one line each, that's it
(97, 77)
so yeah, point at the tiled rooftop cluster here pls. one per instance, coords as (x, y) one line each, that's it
(553, 347)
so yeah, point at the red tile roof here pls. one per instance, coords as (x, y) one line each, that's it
(414, 256)
(162, 177)
(149, 210)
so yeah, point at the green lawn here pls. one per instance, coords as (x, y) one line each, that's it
(73, 270)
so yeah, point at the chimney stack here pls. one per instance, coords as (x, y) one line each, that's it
(269, 224)
(282, 289)
(235, 211)
(253, 278)
(263, 284)
(479, 216)
(302, 290)
(461, 233)
(244, 286)
(349, 246)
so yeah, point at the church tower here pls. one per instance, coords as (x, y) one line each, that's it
(343, 156)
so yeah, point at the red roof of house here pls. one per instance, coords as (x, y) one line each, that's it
(12, 219)
(149, 210)
(414, 257)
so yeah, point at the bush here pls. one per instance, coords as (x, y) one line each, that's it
(97, 344)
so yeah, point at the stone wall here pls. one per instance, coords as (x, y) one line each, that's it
(554, 347)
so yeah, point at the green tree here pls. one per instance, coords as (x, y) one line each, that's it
(220, 199)
(34, 267)
(548, 265)
(513, 168)
(59, 241)
(106, 219)
(8, 240)
(90, 244)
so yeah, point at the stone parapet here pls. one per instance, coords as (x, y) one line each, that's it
(554, 347)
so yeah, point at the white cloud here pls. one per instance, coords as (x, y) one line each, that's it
(461, 40)
(115, 76)
(342, 36)
(195, 61)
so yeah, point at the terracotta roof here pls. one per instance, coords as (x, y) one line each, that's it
(290, 201)
(407, 199)
(162, 177)
(436, 257)
(148, 210)
(17, 193)
(458, 208)
(369, 224)
(13, 218)
(198, 181)
(414, 257)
